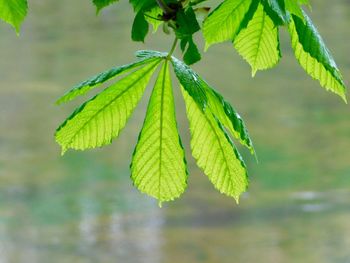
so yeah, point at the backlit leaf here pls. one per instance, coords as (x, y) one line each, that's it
(214, 151)
(158, 165)
(313, 55)
(85, 86)
(100, 119)
(225, 21)
(13, 12)
(258, 43)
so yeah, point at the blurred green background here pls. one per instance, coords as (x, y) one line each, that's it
(82, 207)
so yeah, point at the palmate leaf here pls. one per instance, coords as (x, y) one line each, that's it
(85, 86)
(225, 21)
(214, 151)
(258, 43)
(101, 118)
(313, 55)
(13, 12)
(158, 165)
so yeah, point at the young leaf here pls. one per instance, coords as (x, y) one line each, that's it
(214, 152)
(258, 43)
(87, 85)
(142, 5)
(139, 27)
(225, 21)
(158, 165)
(152, 17)
(102, 3)
(100, 119)
(226, 114)
(13, 12)
(313, 55)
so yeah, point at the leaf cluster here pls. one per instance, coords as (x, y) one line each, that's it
(158, 166)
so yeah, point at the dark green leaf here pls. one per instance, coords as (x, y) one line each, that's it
(190, 81)
(139, 27)
(187, 23)
(102, 3)
(191, 54)
(277, 11)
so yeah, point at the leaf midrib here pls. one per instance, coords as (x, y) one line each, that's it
(105, 106)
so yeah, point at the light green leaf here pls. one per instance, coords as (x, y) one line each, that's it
(258, 43)
(228, 116)
(100, 119)
(102, 3)
(152, 17)
(214, 152)
(225, 21)
(313, 55)
(158, 165)
(87, 85)
(294, 8)
(13, 12)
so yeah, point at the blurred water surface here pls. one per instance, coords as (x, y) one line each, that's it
(82, 207)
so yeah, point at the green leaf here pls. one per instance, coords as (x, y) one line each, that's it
(227, 115)
(294, 8)
(258, 43)
(102, 3)
(100, 119)
(214, 151)
(139, 27)
(158, 165)
(142, 5)
(190, 81)
(13, 12)
(277, 11)
(225, 21)
(87, 85)
(187, 23)
(191, 53)
(152, 17)
(313, 55)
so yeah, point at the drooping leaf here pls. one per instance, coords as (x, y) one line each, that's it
(313, 55)
(227, 115)
(190, 82)
(158, 165)
(187, 23)
(85, 86)
(214, 151)
(100, 119)
(258, 43)
(139, 27)
(277, 11)
(142, 5)
(152, 17)
(102, 3)
(225, 21)
(13, 12)
(294, 8)
(190, 50)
